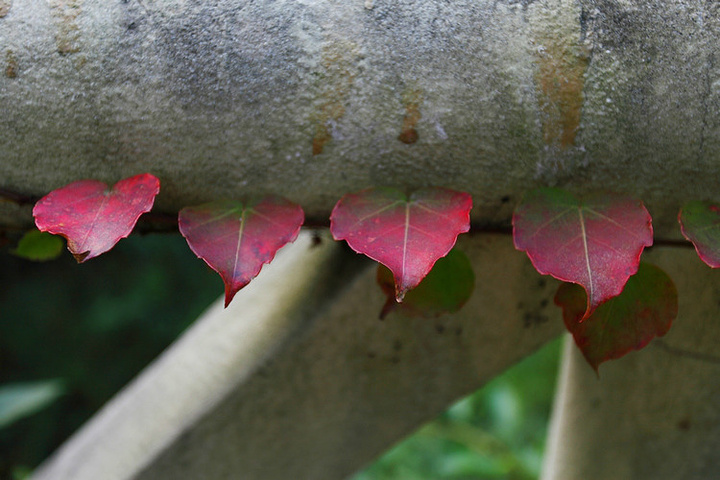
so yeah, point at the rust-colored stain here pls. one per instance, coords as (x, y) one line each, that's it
(412, 99)
(5, 6)
(338, 77)
(321, 138)
(560, 79)
(65, 13)
(11, 64)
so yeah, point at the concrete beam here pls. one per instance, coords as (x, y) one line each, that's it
(299, 379)
(316, 98)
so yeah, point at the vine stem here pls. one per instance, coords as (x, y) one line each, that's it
(17, 198)
(163, 222)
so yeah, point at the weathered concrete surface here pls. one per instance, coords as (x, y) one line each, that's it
(652, 414)
(299, 379)
(316, 98)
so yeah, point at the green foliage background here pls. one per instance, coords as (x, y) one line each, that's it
(498, 432)
(91, 328)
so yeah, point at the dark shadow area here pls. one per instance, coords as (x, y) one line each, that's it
(92, 327)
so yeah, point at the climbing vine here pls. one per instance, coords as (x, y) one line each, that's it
(612, 302)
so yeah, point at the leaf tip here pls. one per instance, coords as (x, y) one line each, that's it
(81, 257)
(229, 294)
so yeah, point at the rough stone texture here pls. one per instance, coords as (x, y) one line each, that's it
(316, 98)
(652, 414)
(299, 379)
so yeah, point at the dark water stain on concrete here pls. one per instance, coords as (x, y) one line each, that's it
(338, 59)
(412, 100)
(11, 64)
(684, 424)
(321, 138)
(560, 79)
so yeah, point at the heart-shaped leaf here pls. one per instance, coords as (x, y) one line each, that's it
(700, 223)
(407, 235)
(595, 242)
(644, 310)
(236, 239)
(444, 290)
(92, 217)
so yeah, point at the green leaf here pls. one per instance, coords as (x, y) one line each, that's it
(700, 223)
(644, 310)
(39, 246)
(18, 400)
(445, 289)
(21, 472)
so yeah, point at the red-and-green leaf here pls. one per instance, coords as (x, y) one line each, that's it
(595, 242)
(235, 239)
(700, 223)
(92, 217)
(444, 290)
(644, 310)
(406, 234)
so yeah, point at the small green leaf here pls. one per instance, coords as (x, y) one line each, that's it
(700, 223)
(18, 400)
(39, 246)
(444, 290)
(644, 310)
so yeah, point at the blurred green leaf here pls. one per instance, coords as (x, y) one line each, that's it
(18, 400)
(21, 473)
(445, 289)
(39, 246)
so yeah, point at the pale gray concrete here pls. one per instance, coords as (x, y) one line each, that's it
(299, 379)
(224, 98)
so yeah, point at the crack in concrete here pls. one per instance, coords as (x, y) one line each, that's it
(709, 68)
(707, 77)
(681, 352)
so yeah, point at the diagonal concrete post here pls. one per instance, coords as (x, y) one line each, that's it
(299, 379)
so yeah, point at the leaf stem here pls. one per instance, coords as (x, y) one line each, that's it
(165, 222)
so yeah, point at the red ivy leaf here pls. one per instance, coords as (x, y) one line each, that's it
(407, 235)
(92, 217)
(700, 223)
(236, 239)
(444, 290)
(644, 310)
(596, 242)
